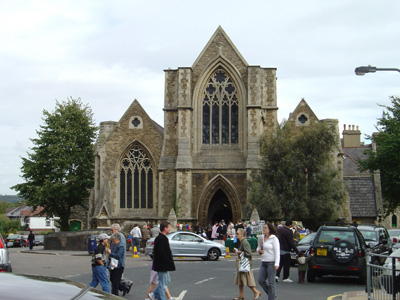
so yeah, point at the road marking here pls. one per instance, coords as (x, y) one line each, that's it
(205, 280)
(333, 297)
(181, 295)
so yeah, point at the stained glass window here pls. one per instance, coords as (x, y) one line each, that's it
(136, 179)
(220, 110)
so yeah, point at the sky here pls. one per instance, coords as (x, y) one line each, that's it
(109, 53)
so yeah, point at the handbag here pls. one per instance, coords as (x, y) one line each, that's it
(244, 264)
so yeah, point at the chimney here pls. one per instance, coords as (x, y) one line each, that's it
(351, 136)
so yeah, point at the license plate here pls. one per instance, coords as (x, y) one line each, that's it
(322, 251)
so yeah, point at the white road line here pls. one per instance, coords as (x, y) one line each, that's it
(181, 295)
(205, 280)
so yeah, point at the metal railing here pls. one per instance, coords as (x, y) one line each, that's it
(383, 279)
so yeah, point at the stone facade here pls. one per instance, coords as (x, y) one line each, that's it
(199, 162)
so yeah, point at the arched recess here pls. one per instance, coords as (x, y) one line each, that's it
(198, 96)
(136, 177)
(218, 184)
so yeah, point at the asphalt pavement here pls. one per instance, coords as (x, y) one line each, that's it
(353, 295)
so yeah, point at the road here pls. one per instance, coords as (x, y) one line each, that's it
(194, 279)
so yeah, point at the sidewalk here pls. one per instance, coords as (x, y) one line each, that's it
(357, 295)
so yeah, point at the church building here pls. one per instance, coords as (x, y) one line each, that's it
(197, 164)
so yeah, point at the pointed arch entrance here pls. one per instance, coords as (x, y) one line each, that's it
(219, 201)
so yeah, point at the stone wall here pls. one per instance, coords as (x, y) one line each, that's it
(74, 241)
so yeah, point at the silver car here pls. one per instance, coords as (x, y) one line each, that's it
(5, 264)
(188, 244)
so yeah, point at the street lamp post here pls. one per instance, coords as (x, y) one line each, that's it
(360, 71)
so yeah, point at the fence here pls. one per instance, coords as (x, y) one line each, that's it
(383, 277)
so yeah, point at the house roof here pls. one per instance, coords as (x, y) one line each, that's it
(351, 155)
(361, 191)
(29, 212)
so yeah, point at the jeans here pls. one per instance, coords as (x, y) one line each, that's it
(99, 275)
(267, 271)
(285, 263)
(136, 242)
(163, 281)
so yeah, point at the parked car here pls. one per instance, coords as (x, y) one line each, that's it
(303, 246)
(376, 234)
(5, 264)
(43, 288)
(395, 237)
(39, 240)
(338, 250)
(184, 243)
(15, 240)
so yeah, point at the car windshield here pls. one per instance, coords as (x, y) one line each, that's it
(369, 235)
(307, 239)
(13, 236)
(329, 237)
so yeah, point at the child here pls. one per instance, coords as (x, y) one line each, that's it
(99, 271)
(303, 266)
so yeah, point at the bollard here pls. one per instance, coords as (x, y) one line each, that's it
(135, 253)
(228, 254)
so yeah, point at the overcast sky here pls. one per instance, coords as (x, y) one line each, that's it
(109, 53)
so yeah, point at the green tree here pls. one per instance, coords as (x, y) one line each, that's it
(59, 172)
(8, 226)
(297, 179)
(386, 158)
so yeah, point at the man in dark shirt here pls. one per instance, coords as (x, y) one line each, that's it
(163, 261)
(31, 240)
(99, 272)
(286, 242)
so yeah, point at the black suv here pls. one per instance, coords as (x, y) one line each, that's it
(338, 249)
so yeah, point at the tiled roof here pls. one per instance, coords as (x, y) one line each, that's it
(351, 155)
(362, 195)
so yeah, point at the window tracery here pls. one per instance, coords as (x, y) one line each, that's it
(220, 110)
(136, 179)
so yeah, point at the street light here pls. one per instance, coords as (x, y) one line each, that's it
(360, 71)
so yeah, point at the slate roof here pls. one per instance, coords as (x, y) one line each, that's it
(360, 186)
(362, 196)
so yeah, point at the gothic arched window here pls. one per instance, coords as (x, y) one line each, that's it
(220, 110)
(136, 179)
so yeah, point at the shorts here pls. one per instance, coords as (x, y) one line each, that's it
(153, 277)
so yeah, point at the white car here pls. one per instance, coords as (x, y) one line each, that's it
(188, 244)
(395, 237)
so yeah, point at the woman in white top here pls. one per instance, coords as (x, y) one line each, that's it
(270, 252)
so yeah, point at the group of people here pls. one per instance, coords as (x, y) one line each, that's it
(110, 254)
(139, 236)
(274, 246)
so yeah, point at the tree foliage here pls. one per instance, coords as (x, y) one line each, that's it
(58, 173)
(297, 179)
(386, 158)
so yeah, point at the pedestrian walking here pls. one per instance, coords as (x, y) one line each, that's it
(155, 231)
(286, 243)
(31, 240)
(244, 278)
(99, 260)
(270, 251)
(124, 285)
(117, 252)
(136, 235)
(163, 261)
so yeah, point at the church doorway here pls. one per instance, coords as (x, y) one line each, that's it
(219, 208)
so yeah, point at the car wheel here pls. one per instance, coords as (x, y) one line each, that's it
(310, 276)
(343, 251)
(213, 254)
